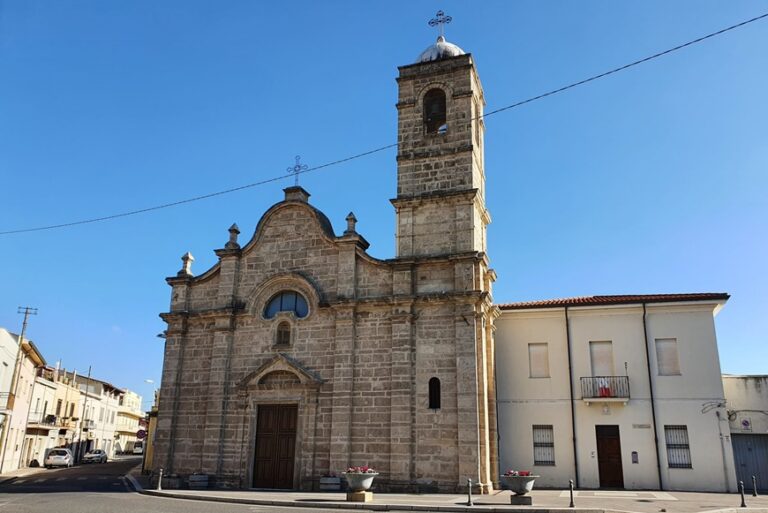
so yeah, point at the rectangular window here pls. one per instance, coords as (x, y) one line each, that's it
(543, 445)
(666, 357)
(538, 360)
(678, 449)
(601, 358)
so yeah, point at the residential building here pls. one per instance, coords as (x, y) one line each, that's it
(18, 397)
(67, 407)
(100, 401)
(614, 392)
(42, 423)
(747, 402)
(129, 420)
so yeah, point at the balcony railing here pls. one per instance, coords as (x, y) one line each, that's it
(605, 387)
(6, 401)
(42, 419)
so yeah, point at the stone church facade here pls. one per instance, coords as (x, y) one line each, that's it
(298, 354)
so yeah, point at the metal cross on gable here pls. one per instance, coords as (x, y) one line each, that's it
(297, 169)
(440, 21)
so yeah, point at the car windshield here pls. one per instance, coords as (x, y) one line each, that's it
(58, 452)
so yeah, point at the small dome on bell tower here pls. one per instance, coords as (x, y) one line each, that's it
(440, 50)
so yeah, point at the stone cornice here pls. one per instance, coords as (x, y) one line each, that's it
(415, 154)
(434, 197)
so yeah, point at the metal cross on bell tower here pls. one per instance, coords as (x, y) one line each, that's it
(297, 169)
(440, 20)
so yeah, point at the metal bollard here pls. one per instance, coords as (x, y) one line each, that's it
(754, 487)
(570, 487)
(160, 480)
(741, 491)
(469, 492)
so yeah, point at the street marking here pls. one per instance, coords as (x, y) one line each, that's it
(61, 478)
(41, 480)
(596, 494)
(82, 478)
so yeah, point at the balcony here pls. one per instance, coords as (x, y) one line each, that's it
(605, 389)
(42, 419)
(6, 401)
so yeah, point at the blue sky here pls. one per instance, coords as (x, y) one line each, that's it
(652, 180)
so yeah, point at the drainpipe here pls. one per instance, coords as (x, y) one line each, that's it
(653, 401)
(570, 393)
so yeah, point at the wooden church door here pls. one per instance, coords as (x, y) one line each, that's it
(275, 446)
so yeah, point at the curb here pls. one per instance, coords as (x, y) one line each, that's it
(134, 483)
(369, 506)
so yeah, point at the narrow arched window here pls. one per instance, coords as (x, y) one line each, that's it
(286, 301)
(434, 394)
(434, 112)
(283, 334)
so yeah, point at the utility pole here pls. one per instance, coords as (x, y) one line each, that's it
(79, 453)
(27, 311)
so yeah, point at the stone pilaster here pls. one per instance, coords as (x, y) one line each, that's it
(468, 422)
(401, 398)
(343, 385)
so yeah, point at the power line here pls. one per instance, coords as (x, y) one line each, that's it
(382, 148)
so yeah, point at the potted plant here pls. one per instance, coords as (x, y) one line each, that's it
(359, 479)
(519, 482)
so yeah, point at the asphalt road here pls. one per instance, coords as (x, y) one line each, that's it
(101, 488)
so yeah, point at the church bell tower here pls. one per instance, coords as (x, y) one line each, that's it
(443, 313)
(440, 204)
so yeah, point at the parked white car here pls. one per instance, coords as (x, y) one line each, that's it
(95, 456)
(59, 458)
(138, 447)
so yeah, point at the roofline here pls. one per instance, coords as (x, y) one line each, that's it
(622, 299)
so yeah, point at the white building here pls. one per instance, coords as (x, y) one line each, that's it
(614, 392)
(747, 399)
(129, 416)
(16, 398)
(42, 423)
(99, 403)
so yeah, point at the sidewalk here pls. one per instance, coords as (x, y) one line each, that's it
(22, 472)
(586, 501)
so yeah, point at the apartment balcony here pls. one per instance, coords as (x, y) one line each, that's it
(605, 389)
(89, 424)
(6, 401)
(40, 419)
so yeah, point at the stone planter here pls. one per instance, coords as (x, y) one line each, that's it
(358, 482)
(519, 485)
(330, 484)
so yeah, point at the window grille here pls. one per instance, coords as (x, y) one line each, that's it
(543, 445)
(678, 449)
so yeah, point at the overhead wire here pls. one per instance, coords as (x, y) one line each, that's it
(388, 146)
